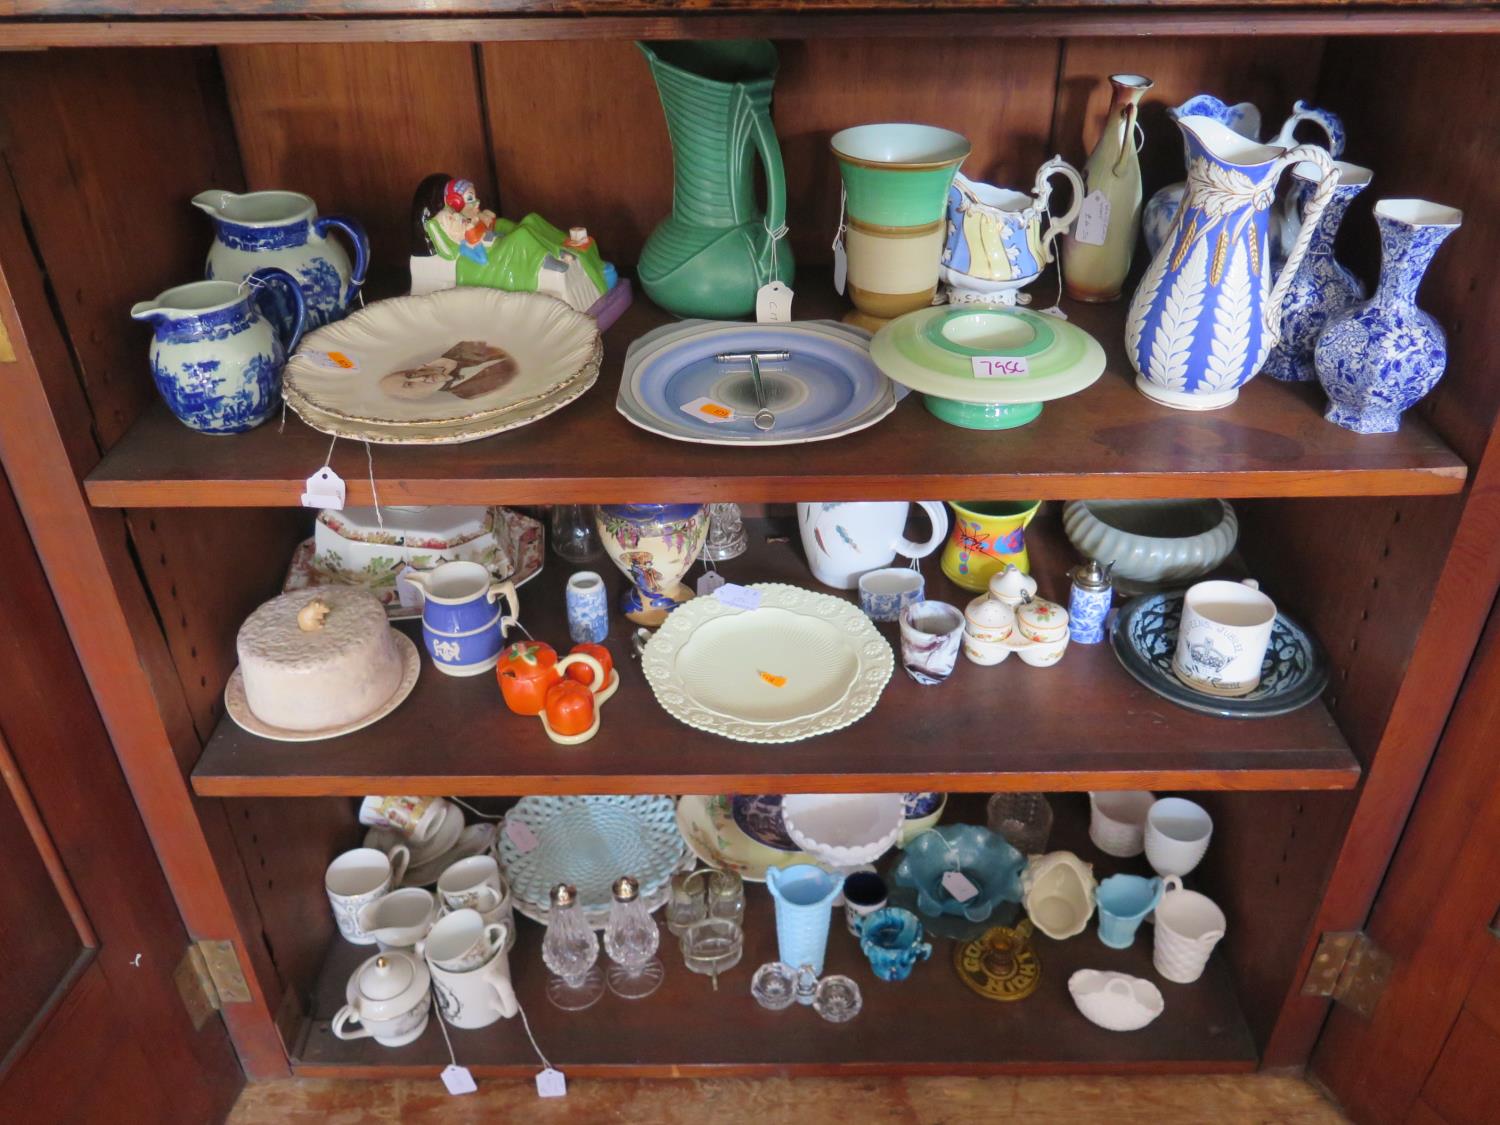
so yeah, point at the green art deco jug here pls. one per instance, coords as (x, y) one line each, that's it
(716, 249)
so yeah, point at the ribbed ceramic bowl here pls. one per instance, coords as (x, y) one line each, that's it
(1153, 542)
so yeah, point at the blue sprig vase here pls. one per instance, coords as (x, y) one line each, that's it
(1379, 358)
(1322, 286)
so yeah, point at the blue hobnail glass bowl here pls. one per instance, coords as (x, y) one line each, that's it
(984, 859)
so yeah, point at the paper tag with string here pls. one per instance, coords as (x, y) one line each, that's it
(324, 489)
(710, 580)
(520, 835)
(458, 1079)
(1093, 219)
(957, 884)
(550, 1083)
(773, 303)
(840, 255)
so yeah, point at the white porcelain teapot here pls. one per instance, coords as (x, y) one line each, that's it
(388, 999)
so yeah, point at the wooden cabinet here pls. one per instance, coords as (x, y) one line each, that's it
(158, 541)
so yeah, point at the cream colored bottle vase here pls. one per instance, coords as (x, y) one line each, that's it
(1097, 251)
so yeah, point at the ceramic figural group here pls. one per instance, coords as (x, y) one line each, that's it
(502, 328)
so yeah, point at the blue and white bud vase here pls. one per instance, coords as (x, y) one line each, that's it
(1322, 287)
(1379, 358)
(1206, 315)
(588, 608)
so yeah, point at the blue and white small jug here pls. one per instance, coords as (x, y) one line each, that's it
(463, 626)
(215, 359)
(284, 229)
(1089, 598)
(588, 608)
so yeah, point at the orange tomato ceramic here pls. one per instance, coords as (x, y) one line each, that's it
(526, 670)
(581, 671)
(570, 707)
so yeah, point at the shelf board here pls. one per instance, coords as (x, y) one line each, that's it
(1081, 724)
(1109, 440)
(930, 1023)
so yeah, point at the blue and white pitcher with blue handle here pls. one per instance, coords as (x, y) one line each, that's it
(215, 358)
(283, 229)
(1206, 314)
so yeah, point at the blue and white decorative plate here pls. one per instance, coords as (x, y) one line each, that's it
(590, 842)
(672, 385)
(1293, 675)
(760, 819)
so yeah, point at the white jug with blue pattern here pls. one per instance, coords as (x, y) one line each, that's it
(1206, 314)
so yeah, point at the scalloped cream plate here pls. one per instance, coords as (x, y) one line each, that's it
(448, 358)
(800, 665)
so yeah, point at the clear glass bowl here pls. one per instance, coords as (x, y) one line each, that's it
(838, 999)
(774, 986)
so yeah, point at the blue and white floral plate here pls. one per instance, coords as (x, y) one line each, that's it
(1293, 675)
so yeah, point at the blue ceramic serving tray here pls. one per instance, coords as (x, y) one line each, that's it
(1293, 675)
(827, 388)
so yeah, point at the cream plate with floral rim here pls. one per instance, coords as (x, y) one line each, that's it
(708, 826)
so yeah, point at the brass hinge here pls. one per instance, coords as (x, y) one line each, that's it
(208, 977)
(1350, 968)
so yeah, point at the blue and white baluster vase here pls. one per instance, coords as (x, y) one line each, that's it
(1379, 358)
(588, 608)
(1205, 314)
(1322, 287)
(1089, 599)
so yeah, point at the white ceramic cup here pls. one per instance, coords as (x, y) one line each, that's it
(1177, 834)
(358, 878)
(400, 919)
(1117, 820)
(1188, 926)
(416, 818)
(462, 940)
(476, 883)
(476, 997)
(1222, 640)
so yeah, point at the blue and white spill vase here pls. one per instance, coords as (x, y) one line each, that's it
(804, 897)
(1089, 598)
(1322, 287)
(215, 359)
(1379, 358)
(284, 229)
(588, 608)
(1206, 315)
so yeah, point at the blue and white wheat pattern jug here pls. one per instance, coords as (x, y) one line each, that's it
(1206, 314)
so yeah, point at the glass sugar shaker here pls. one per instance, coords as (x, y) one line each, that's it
(1089, 600)
(570, 949)
(631, 939)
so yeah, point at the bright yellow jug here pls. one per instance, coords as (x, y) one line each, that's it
(987, 534)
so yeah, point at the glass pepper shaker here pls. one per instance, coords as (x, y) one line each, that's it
(631, 939)
(1089, 599)
(570, 950)
(687, 905)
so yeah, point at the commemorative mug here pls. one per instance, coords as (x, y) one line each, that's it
(476, 883)
(358, 878)
(462, 940)
(477, 997)
(462, 626)
(1222, 640)
(415, 818)
(843, 541)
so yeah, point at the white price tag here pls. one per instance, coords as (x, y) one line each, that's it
(324, 489)
(520, 835)
(332, 361)
(458, 1079)
(773, 304)
(740, 597)
(840, 265)
(1093, 220)
(550, 1083)
(999, 366)
(957, 884)
(408, 594)
(708, 582)
(707, 410)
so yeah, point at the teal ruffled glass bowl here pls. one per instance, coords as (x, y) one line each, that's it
(991, 865)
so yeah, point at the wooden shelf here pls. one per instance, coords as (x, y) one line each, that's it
(930, 1023)
(1082, 724)
(1110, 440)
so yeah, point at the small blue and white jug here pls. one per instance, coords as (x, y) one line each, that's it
(463, 627)
(284, 229)
(215, 359)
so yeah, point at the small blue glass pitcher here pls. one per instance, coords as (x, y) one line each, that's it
(892, 940)
(1123, 901)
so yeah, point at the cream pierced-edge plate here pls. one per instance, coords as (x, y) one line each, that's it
(724, 670)
(707, 824)
(239, 707)
(452, 356)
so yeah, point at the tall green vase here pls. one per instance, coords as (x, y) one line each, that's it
(717, 248)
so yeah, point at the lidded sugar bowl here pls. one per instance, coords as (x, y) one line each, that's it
(388, 998)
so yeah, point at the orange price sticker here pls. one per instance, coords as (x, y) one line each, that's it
(773, 679)
(708, 410)
(341, 360)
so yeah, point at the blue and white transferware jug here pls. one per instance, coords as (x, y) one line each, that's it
(284, 229)
(995, 243)
(215, 359)
(1205, 314)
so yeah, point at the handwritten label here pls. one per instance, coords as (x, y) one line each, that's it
(773, 304)
(1093, 220)
(708, 582)
(324, 489)
(773, 679)
(550, 1083)
(740, 597)
(707, 410)
(1000, 366)
(957, 884)
(520, 835)
(458, 1079)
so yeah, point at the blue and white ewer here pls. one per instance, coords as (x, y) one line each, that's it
(283, 229)
(215, 359)
(1205, 314)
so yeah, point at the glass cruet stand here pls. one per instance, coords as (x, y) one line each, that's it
(570, 949)
(630, 939)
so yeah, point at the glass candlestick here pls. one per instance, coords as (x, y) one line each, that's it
(630, 939)
(573, 534)
(726, 537)
(570, 949)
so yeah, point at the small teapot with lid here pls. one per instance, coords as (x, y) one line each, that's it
(388, 999)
